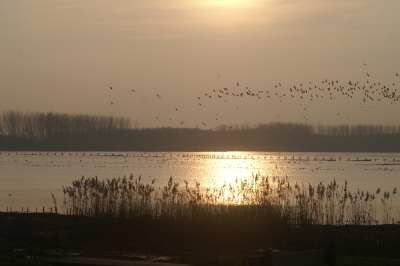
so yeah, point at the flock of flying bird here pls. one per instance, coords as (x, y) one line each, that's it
(368, 91)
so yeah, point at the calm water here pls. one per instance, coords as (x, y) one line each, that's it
(27, 180)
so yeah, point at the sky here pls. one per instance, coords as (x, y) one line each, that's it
(195, 63)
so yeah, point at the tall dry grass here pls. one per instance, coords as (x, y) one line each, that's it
(259, 198)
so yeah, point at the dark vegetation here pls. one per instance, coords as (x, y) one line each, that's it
(221, 226)
(250, 213)
(254, 201)
(65, 132)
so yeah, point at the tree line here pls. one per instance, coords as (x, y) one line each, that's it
(34, 131)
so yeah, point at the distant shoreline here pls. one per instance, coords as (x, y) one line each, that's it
(64, 132)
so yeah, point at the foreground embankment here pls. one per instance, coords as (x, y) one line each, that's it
(51, 235)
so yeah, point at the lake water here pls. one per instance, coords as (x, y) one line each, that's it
(27, 179)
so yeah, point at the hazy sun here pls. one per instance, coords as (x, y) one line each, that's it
(227, 12)
(225, 3)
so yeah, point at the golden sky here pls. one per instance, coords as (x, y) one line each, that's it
(63, 56)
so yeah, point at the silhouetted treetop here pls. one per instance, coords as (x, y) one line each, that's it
(60, 131)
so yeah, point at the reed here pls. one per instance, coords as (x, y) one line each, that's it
(258, 199)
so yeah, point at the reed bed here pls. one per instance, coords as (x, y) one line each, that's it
(259, 199)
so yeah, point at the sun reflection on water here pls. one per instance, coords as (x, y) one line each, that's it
(231, 176)
(237, 177)
(228, 166)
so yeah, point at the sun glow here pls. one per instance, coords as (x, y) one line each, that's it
(225, 3)
(230, 12)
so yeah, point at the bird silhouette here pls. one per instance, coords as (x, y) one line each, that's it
(331, 90)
